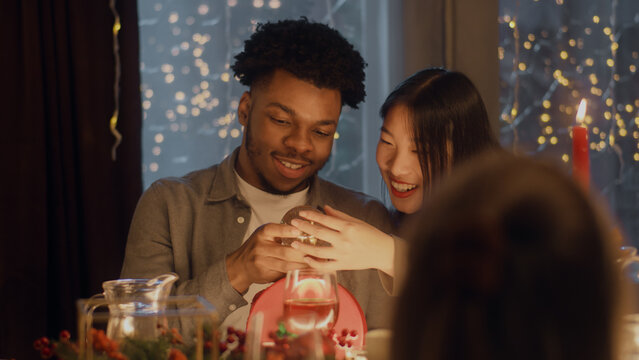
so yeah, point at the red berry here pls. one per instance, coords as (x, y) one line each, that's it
(230, 330)
(46, 353)
(241, 337)
(65, 335)
(37, 344)
(176, 354)
(111, 346)
(223, 347)
(208, 345)
(349, 343)
(353, 333)
(44, 340)
(230, 339)
(344, 332)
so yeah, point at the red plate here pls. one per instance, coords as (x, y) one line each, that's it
(270, 302)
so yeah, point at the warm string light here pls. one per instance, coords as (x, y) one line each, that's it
(515, 108)
(229, 117)
(569, 70)
(206, 37)
(113, 122)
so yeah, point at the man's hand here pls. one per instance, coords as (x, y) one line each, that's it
(355, 244)
(261, 259)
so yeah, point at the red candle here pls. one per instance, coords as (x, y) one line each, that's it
(580, 150)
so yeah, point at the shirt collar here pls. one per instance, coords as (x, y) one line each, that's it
(224, 184)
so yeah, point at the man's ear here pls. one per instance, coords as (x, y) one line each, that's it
(244, 108)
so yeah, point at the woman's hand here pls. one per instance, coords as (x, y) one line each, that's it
(355, 244)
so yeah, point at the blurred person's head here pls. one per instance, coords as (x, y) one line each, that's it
(299, 75)
(510, 261)
(433, 121)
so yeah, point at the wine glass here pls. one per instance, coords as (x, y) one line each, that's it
(310, 300)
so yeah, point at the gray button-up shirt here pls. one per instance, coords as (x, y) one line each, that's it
(188, 225)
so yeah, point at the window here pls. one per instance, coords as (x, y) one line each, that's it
(552, 54)
(190, 96)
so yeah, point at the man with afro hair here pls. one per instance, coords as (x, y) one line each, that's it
(219, 228)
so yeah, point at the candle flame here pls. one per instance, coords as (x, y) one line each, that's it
(581, 112)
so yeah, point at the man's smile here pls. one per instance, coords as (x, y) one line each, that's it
(288, 168)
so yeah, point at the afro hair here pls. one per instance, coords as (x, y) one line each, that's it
(311, 51)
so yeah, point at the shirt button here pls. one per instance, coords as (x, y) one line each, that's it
(232, 307)
(240, 219)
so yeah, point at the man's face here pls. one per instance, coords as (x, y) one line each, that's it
(288, 132)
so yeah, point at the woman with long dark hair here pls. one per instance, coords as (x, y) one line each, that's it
(433, 121)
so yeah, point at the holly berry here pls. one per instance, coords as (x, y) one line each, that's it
(65, 335)
(241, 336)
(344, 332)
(46, 352)
(45, 341)
(353, 333)
(176, 354)
(37, 345)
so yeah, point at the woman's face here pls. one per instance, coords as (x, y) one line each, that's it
(398, 161)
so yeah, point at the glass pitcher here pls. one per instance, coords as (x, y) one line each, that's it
(134, 305)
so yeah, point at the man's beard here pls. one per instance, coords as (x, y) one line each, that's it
(253, 154)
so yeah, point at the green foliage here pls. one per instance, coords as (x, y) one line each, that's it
(145, 350)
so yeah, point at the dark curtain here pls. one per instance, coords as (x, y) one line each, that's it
(65, 204)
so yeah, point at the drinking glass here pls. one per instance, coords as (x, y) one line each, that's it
(310, 300)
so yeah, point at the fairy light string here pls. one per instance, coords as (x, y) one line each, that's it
(557, 67)
(113, 122)
(516, 61)
(619, 126)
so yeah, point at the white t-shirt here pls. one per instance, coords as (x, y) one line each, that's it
(265, 208)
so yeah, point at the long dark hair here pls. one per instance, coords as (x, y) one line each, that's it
(511, 260)
(448, 114)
